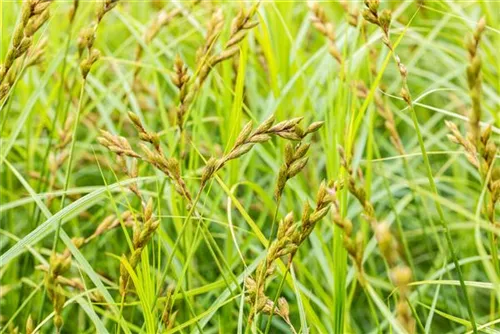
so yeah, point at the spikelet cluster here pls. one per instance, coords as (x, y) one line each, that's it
(290, 236)
(86, 42)
(383, 21)
(386, 113)
(146, 224)
(474, 79)
(88, 35)
(206, 58)
(59, 265)
(248, 138)
(480, 149)
(240, 26)
(72, 282)
(400, 273)
(482, 156)
(490, 173)
(35, 55)
(161, 20)
(352, 244)
(263, 304)
(122, 148)
(326, 28)
(352, 13)
(295, 159)
(156, 157)
(169, 315)
(33, 15)
(180, 79)
(111, 222)
(170, 166)
(143, 231)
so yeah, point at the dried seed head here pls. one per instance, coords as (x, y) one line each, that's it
(299, 131)
(123, 275)
(403, 71)
(322, 192)
(281, 182)
(78, 242)
(241, 23)
(289, 135)
(180, 78)
(453, 139)
(485, 136)
(318, 215)
(36, 22)
(26, 42)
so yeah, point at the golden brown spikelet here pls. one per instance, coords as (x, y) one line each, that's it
(34, 14)
(290, 236)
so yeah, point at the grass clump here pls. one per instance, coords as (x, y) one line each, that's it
(258, 167)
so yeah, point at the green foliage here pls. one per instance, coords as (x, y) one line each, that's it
(275, 167)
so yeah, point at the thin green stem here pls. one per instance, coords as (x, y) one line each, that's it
(272, 237)
(176, 244)
(66, 181)
(70, 163)
(441, 214)
(37, 212)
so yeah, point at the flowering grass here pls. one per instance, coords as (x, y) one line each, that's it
(249, 167)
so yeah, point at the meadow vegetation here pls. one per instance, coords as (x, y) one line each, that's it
(249, 167)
